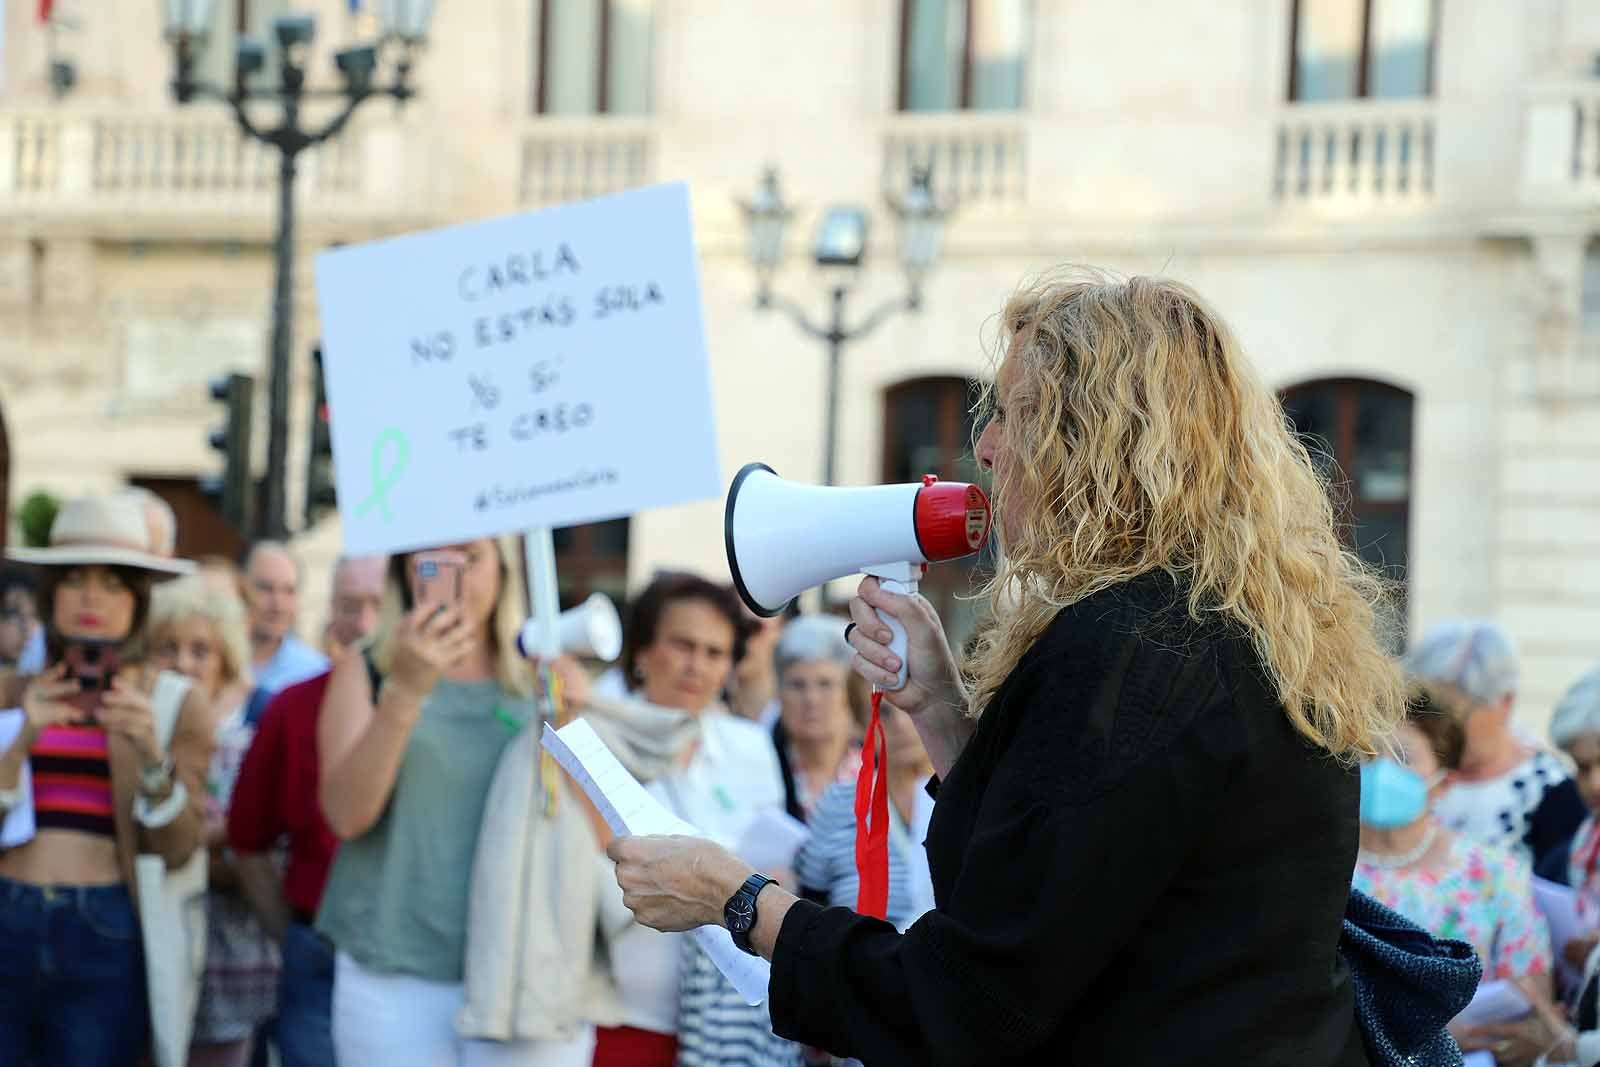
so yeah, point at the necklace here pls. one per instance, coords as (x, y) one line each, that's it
(1403, 859)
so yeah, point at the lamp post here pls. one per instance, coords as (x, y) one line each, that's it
(404, 26)
(840, 250)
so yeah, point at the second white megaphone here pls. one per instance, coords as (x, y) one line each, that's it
(592, 630)
(784, 538)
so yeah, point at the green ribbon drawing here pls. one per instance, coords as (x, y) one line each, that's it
(384, 477)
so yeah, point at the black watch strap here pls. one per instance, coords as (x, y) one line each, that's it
(739, 914)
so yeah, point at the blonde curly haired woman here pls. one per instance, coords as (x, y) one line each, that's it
(1143, 841)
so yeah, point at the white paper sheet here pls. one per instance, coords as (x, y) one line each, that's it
(630, 811)
(18, 828)
(772, 840)
(1559, 906)
(1496, 1001)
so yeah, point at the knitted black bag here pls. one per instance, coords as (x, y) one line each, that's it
(1408, 985)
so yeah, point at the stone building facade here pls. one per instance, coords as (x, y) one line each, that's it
(1395, 204)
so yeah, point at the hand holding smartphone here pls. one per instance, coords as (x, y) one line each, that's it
(436, 578)
(92, 664)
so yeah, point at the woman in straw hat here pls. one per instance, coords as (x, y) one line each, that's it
(86, 785)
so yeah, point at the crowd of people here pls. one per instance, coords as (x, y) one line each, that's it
(381, 889)
(396, 874)
(1482, 833)
(350, 800)
(368, 894)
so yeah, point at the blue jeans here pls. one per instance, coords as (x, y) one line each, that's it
(304, 1028)
(71, 976)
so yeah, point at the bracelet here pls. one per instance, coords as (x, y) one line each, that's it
(157, 779)
(155, 816)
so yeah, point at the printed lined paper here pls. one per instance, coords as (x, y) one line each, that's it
(630, 811)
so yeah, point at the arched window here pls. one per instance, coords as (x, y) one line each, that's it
(1360, 433)
(928, 429)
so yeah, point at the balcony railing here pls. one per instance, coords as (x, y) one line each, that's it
(573, 159)
(1561, 145)
(975, 159)
(69, 162)
(1362, 153)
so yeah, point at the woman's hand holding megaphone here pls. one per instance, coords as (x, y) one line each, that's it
(933, 695)
(932, 676)
(576, 688)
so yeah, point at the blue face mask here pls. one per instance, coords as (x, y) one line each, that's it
(1392, 794)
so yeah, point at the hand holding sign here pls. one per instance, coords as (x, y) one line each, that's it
(537, 370)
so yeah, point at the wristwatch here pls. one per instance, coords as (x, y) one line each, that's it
(739, 913)
(156, 779)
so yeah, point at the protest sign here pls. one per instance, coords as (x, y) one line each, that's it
(538, 370)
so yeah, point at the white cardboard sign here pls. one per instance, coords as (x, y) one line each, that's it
(542, 369)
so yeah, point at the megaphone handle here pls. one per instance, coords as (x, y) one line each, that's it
(897, 629)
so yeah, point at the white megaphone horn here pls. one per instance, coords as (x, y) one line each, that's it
(784, 538)
(593, 629)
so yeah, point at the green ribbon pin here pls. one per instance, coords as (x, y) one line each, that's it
(384, 477)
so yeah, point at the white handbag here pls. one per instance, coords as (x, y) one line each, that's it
(172, 914)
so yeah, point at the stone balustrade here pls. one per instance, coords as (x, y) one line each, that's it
(1359, 154)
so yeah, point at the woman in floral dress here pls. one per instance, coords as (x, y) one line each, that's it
(1450, 885)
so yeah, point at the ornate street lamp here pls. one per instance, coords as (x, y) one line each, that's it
(404, 28)
(840, 250)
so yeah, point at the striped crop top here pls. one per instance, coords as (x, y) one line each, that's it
(72, 780)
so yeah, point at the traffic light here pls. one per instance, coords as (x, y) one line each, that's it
(322, 494)
(232, 489)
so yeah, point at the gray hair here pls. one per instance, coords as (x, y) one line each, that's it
(1578, 712)
(810, 639)
(379, 563)
(1477, 657)
(261, 548)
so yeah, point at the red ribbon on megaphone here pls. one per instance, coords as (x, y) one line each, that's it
(872, 820)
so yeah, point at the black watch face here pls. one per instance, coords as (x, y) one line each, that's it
(741, 914)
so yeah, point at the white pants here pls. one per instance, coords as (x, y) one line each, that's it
(386, 1020)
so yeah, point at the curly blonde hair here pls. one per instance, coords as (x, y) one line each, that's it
(1139, 439)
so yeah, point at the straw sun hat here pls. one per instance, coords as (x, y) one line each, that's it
(108, 530)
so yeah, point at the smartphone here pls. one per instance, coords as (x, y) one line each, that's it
(92, 663)
(437, 578)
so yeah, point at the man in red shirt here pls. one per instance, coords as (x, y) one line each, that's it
(276, 798)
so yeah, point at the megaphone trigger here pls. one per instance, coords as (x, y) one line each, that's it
(898, 578)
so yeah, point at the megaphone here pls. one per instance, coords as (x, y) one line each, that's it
(784, 538)
(593, 629)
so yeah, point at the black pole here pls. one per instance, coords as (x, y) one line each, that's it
(275, 523)
(836, 337)
(290, 140)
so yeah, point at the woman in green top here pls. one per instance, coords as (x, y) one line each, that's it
(409, 740)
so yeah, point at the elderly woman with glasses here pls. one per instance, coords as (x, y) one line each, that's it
(1509, 791)
(817, 732)
(1575, 729)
